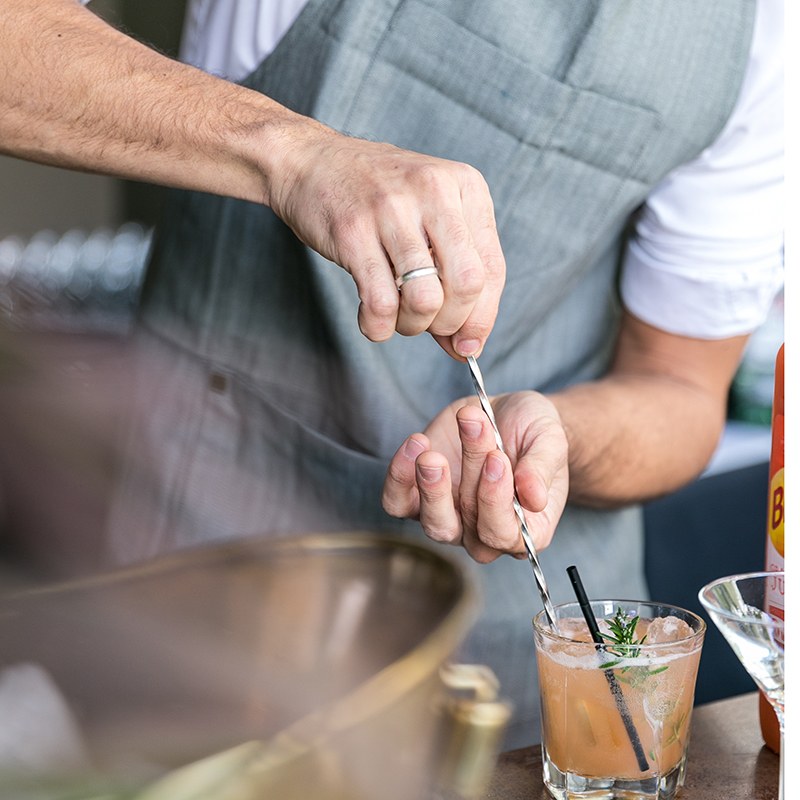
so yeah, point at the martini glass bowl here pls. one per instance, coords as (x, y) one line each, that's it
(740, 606)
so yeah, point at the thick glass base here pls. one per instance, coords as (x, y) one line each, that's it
(571, 786)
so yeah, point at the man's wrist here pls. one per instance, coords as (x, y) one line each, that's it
(280, 150)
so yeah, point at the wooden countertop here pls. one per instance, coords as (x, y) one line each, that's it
(727, 759)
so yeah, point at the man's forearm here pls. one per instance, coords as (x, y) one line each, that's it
(652, 424)
(633, 439)
(77, 93)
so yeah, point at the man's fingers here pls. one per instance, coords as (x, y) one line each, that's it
(457, 235)
(400, 497)
(541, 462)
(479, 215)
(460, 268)
(437, 513)
(477, 441)
(542, 476)
(419, 485)
(486, 490)
(420, 299)
(377, 311)
(497, 520)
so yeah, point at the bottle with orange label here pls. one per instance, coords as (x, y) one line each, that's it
(776, 511)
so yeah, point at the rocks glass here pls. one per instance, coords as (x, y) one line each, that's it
(616, 716)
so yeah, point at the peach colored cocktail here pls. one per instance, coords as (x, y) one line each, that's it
(615, 718)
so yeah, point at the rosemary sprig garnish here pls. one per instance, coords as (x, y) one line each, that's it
(623, 636)
(625, 645)
(675, 736)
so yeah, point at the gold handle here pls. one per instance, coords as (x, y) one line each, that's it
(474, 722)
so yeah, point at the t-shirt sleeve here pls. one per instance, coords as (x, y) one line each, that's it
(706, 255)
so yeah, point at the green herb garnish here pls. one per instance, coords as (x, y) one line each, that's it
(623, 631)
(675, 735)
(624, 644)
(623, 638)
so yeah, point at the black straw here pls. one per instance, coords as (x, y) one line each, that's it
(613, 684)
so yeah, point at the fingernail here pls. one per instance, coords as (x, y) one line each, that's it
(430, 474)
(467, 347)
(412, 449)
(471, 429)
(494, 468)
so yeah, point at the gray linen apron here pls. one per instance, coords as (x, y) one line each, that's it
(262, 408)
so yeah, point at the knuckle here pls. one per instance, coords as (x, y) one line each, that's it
(375, 329)
(382, 303)
(494, 267)
(391, 207)
(493, 501)
(475, 185)
(438, 534)
(473, 177)
(455, 228)
(476, 330)
(480, 553)
(495, 540)
(434, 495)
(380, 300)
(395, 477)
(433, 175)
(425, 301)
(392, 507)
(470, 282)
(473, 454)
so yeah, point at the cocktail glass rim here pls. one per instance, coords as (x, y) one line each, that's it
(543, 628)
(704, 596)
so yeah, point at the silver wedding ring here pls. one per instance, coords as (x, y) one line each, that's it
(412, 274)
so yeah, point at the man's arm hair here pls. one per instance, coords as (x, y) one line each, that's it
(652, 423)
(77, 93)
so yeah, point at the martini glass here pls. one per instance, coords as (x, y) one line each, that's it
(741, 608)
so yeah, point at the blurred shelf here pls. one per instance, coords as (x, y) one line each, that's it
(80, 281)
(743, 444)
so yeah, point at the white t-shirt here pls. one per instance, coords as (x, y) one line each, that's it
(706, 258)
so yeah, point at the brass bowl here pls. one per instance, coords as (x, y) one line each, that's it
(306, 667)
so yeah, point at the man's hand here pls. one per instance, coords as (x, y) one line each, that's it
(380, 212)
(460, 486)
(646, 428)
